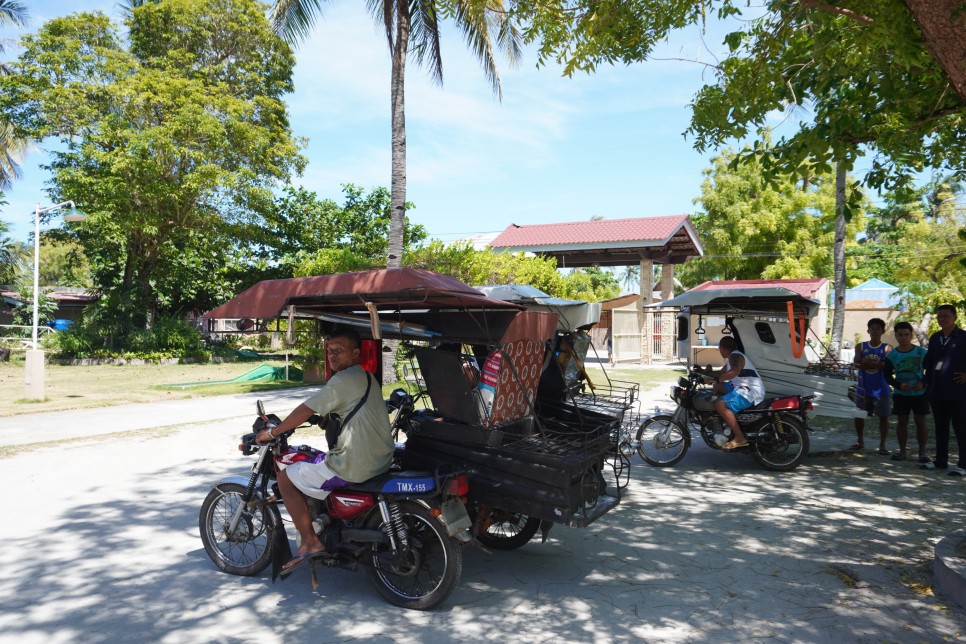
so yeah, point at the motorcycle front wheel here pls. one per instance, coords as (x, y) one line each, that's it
(661, 441)
(507, 530)
(246, 551)
(422, 574)
(783, 451)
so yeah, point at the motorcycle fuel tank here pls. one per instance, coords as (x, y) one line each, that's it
(704, 401)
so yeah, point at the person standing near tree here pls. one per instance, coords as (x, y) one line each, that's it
(905, 373)
(945, 374)
(872, 390)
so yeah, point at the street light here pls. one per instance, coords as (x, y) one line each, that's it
(34, 363)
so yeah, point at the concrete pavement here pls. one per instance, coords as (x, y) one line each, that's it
(101, 546)
(85, 423)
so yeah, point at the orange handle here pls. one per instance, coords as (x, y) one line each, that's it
(798, 348)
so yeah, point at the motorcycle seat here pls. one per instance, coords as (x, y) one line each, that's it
(406, 482)
(780, 403)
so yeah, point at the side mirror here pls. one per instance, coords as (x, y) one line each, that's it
(260, 408)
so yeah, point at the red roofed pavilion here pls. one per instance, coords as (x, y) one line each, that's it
(639, 241)
(606, 242)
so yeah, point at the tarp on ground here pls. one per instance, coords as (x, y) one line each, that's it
(265, 372)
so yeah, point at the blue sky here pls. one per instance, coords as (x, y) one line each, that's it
(556, 149)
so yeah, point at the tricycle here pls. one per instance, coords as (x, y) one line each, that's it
(479, 400)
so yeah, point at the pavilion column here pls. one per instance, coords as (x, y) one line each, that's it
(647, 315)
(667, 318)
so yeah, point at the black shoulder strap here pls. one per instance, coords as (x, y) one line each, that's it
(362, 400)
(334, 427)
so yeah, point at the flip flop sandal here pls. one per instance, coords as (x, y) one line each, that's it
(732, 445)
(299, 560)
(884, 452)
(856, 447)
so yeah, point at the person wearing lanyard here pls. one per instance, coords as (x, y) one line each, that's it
(945, 377)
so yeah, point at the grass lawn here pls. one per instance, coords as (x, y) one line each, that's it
(646, 378)
(78, 387)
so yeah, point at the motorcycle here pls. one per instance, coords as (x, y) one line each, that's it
(404, 527)
(776, 428)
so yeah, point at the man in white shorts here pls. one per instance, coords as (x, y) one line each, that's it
(364, 448)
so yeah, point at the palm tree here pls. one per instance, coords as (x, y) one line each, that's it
(630, 276)
(414, 27)
(13, 254)
(12, 149)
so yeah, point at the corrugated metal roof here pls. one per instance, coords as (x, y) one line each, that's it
(606, 242)
(590, 232)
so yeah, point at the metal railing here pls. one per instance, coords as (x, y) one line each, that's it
(20, 335)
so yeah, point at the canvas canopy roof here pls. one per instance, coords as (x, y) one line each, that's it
(745, 300)
(574, 314)
(405, 298)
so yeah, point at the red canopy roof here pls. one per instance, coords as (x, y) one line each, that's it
(390, 288)
(804, 287)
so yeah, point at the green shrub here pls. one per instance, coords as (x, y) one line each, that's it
(169, 338)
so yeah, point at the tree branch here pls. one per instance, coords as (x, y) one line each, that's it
(848, 13)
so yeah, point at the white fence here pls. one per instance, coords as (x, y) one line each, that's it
(19, 335)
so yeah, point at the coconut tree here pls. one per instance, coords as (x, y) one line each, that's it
(12, 148)
(414, 28)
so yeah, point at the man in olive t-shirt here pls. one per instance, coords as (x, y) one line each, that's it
(363, 450)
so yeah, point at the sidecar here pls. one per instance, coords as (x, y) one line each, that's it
(489, 381)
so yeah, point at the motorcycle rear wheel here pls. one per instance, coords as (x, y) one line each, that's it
(661, 441)
(508, 530)
(785, 452)
(248, 551)
(425, 573)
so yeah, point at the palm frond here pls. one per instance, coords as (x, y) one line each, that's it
(12, 152)
(424, 37)
(13, 13)
(293, 19)
(127, 7)
(471, 18)
(384, 13)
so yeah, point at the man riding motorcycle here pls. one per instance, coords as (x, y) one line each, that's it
(739, 386)
(364, 448)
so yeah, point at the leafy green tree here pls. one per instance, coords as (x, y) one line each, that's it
(590, 284)
(24, 314)
(755, 227)
(885, 79)
(63, 263)
(413, 28)
(487, 267)
(13, 255)
(913, 242)
(174, 138)
(312, 234)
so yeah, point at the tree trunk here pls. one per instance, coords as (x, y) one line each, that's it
(921, 329)
(838, 259)
(397, 215)
(943, 26)
(397, 199)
